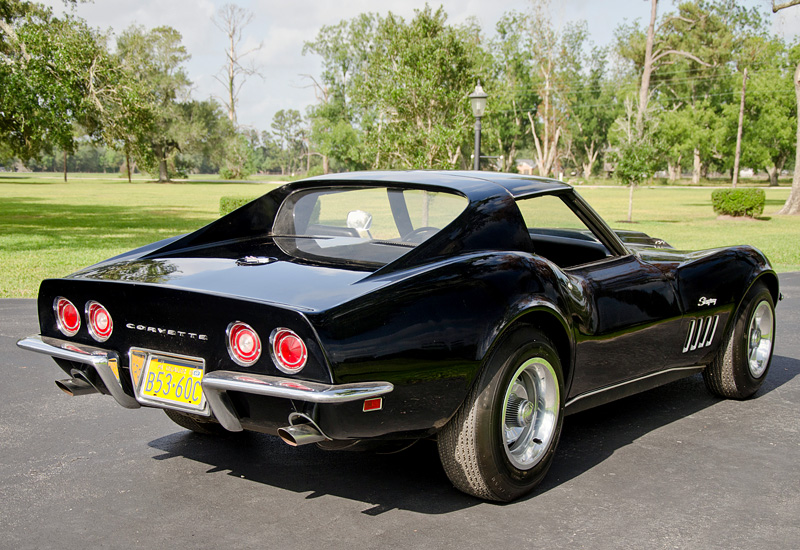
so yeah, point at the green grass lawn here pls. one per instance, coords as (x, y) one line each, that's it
(50, 229)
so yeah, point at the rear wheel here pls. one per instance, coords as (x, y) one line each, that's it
(742, 363)
(196, 423)
(501, 442)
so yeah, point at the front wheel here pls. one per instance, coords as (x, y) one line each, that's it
(741, 365)
(501, 442)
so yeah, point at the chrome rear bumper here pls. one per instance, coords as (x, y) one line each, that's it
(102, 361)
(216, 384)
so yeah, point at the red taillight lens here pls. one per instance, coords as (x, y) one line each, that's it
(99, 321)
(244, 345)
(67, 317)
(288, 350)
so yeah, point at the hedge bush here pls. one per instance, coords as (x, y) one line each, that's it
(230, 203)
(738, 202)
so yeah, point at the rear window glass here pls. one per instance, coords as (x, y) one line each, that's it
(363, 225)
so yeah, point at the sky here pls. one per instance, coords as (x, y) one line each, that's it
(283, 26)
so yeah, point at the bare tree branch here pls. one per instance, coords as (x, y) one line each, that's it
(783, 5)
(684, 54)
(232, 20)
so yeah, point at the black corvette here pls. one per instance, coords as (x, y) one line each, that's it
(367, 309)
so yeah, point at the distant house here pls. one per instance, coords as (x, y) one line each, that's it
(526, 166)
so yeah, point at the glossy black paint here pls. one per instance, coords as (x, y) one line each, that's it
(425, 322)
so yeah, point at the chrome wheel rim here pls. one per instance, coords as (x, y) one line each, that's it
(530, 413)
(759, 338)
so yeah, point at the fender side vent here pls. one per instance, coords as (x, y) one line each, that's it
(701, 333)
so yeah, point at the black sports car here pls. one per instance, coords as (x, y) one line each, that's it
(372, 308)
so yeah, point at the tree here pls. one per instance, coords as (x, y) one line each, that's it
(336, 129)
(635, 149)
(154, 58)
(546, 45)
(53, 72)
(699, 44)
(770, 109)
(232, 20)
(413, 91)
(792, 205)
(511, 85)
(593, 105)
(287, 129)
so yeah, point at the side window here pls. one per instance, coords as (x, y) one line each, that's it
(558, 234)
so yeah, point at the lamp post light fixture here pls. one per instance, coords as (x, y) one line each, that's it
(478, 101)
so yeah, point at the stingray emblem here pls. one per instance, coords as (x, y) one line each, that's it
(707, 301)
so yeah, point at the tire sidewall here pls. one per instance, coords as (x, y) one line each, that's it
(742, 376)
(504, 479)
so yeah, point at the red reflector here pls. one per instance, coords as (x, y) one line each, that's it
(244, 345)
(374, 404)
(288, 350)
(67, 317)
(100, 323)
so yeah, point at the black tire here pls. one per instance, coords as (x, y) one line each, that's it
(477, 446)
(195, 423)
(743, 360)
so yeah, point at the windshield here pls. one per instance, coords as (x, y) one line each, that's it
(363, 225)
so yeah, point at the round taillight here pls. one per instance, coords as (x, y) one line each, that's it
(244, 345)
(67, 317)
(99, 321)
(288, 350)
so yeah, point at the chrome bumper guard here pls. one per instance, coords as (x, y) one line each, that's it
(216, 384)
(99, 359)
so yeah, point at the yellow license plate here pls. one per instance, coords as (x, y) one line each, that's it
(173, 380)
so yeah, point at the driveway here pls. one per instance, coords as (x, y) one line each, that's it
(670, 468)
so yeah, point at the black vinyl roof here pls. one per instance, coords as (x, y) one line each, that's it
(473, 184)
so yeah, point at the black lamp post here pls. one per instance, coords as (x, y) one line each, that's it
(478, 101)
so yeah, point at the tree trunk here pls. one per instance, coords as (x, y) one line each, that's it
(163, 176)
(792, 205)
(696, 166)
(772, 171)
(128, 162)
(739, 133)
(630, 203)
(674, 170)
(644, 88)
(591, 158)
(326, 167)
(65, 166)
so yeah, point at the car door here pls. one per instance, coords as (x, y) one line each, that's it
(628, 321)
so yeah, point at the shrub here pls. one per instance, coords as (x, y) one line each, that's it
(738, 202)
(229, 204)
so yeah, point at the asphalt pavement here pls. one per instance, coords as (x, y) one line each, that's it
(670, 468)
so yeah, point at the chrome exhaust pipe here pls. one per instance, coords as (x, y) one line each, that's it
(301, 434)
(81, 376)
(75, 386)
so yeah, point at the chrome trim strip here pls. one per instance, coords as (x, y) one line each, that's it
(216, 385)
(614, 386)
(704, 342)
(706, 329)
(700, 324)
(689, 336)
(96, 358)
(713, 331)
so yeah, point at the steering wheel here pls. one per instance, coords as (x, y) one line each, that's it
(414, 235)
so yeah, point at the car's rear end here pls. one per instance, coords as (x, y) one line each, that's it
(243, 362)
(216, 325)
